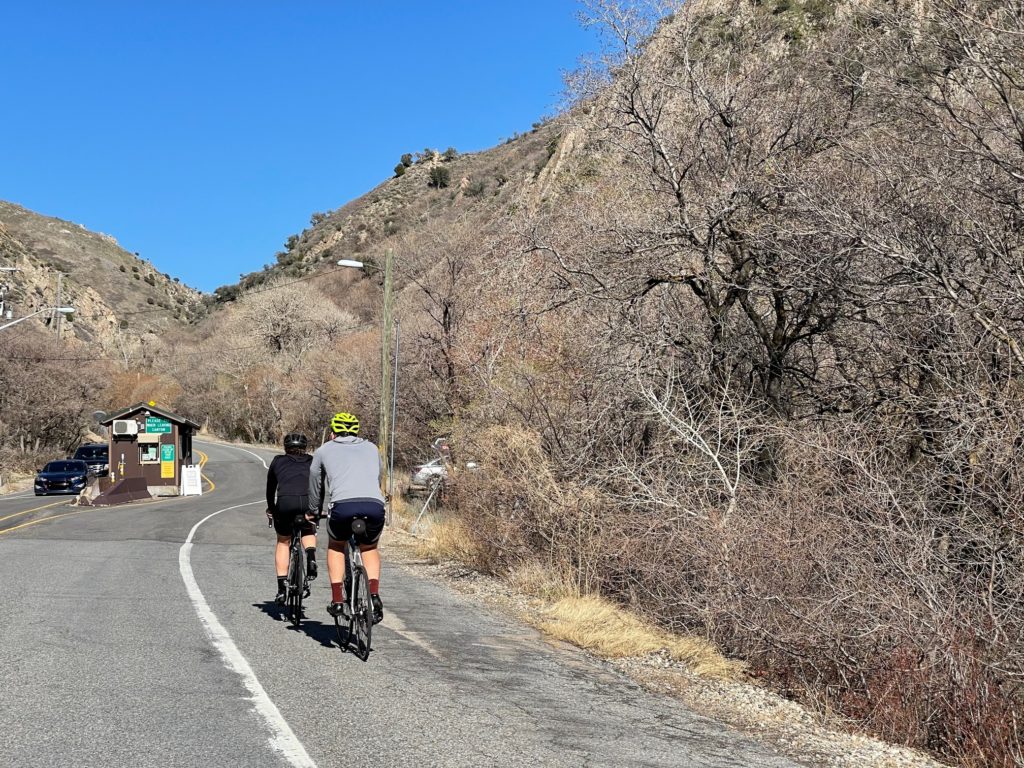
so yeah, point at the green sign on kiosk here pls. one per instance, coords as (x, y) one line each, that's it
(166, 461)
(156, 425)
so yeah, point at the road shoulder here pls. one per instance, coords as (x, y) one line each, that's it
(792, 730)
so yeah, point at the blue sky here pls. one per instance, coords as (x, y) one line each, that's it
(202, 133)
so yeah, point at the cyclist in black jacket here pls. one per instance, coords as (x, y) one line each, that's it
(287, 497)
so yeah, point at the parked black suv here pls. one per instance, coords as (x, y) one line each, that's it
(64, 476)
(96, 455)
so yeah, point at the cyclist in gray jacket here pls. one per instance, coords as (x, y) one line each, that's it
(354, 471)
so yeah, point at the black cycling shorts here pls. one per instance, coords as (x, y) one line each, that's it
(288, 508)
(339, 524)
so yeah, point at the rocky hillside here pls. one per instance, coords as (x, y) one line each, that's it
(428, 186)
(111, 289)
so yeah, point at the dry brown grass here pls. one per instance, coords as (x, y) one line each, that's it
(587, 621)
(605, 629)
(447, 539)
(403, 514)
(546, 581)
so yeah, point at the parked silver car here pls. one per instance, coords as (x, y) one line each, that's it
(424, 476)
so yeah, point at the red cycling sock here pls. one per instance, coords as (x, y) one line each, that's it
(336, 594)
(374, 586)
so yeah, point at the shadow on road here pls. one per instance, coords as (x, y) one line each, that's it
(325, 634)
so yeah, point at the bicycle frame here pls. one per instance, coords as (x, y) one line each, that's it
(357, 599)
(353, 560)
(298, 587)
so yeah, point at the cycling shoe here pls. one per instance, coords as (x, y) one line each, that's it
(338, 610)
(281, 597)
(310, 570)
(378, 608)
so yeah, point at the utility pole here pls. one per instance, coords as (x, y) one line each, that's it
(387, 330)
(58, 316)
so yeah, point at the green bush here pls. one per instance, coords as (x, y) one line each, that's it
(450, 154)
(123, 268)
(476, 188)
(440, 177)
(407, 159)
(552, 146)
(400, 169)
(226, 293)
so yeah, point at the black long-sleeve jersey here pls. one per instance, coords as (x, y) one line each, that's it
(288, 476)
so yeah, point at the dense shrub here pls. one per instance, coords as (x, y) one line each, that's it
(440, 177)
(45, 400)
(760, 373)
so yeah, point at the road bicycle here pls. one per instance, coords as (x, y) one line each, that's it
(298, 587)
(358, 608)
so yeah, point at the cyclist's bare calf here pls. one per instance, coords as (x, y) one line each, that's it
(336, 561)
(281, 552)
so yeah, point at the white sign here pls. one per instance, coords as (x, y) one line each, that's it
(191, 481)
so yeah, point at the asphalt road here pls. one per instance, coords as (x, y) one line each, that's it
(109, 656)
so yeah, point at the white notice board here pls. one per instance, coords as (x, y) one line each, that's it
(191, 481)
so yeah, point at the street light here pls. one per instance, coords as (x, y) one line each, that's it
(62, 310)
(387, 419)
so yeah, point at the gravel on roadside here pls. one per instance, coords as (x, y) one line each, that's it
(801, 735)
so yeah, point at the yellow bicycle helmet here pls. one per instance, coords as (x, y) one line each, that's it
(345, 424)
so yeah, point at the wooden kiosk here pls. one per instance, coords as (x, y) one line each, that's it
(148, 447)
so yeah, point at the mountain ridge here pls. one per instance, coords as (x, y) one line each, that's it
(113, 290)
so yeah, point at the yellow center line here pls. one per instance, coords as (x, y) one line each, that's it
(46, 519)
(203, 458)
(79, 512)
(34, 509)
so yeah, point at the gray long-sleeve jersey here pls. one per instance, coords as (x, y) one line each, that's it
(353, 468)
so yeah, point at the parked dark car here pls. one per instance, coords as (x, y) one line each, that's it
(96, 455)
(65, 476)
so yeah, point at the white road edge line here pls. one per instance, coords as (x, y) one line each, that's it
(283, 739)
(237, 448)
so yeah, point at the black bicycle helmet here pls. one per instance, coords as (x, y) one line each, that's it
(295, 440)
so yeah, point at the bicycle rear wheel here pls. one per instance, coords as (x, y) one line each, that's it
(360, 625)
(296, 584)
